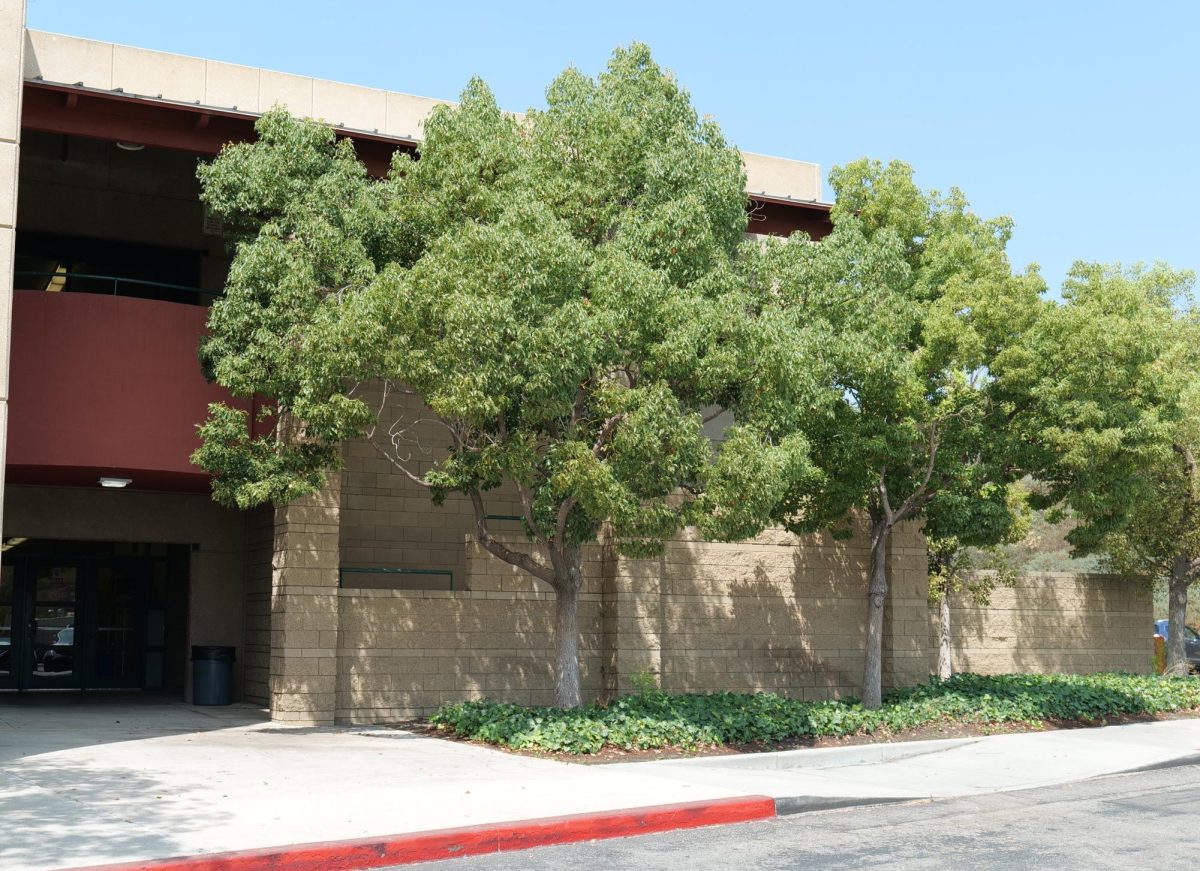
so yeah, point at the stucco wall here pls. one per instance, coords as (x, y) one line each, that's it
(1056, 623)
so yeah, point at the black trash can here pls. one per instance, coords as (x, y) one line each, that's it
(212, 674)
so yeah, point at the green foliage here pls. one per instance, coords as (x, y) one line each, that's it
(564, 292)
(1107, 385)
(645, 682)
(312, 231)
(908, 306)
(911, 301)
(654, 719)
(964, 537)
(1045, 548)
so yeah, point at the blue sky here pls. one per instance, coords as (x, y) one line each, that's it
(1078, 119)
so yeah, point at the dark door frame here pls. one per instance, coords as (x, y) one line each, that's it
(84, 673)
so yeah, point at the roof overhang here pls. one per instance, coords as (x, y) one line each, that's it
(77, 110)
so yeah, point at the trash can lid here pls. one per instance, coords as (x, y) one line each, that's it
(218, 652)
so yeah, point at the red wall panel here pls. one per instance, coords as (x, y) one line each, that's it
(105, 385)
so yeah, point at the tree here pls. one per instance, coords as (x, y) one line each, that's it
(1113, 375)
(964, 532)
(917, 298)
(562, 293)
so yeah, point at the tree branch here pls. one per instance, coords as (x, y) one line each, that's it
(560, 521)
(919, 496)
(885, 502)
(395, 461)
(606, 430)
(1193, 471)
(513, 557)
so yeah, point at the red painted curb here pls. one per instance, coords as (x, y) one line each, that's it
(465, 841)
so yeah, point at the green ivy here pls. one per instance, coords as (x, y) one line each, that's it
(653, 719)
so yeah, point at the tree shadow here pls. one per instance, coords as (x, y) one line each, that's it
(32, 724)
(59, 815)
(780, 613)
(1056, 622)
(63, 805)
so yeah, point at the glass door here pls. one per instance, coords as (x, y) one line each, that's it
(8, 652)
(117, 652)
(52, 599)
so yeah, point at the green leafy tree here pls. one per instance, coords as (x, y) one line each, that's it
(913, 299)
(563, 294)
(965, 529)
(1113, 379)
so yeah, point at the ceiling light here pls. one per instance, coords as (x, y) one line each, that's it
(130, 146)
(115, 482)
(12, 542)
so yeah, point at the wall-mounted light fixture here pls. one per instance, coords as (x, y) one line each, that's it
(12, 542)
(115, 483)
(130, 146)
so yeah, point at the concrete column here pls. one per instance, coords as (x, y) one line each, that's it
(12, 59)
(304, 608)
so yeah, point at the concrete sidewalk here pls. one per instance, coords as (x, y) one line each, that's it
(104, 783)
(939, 769)
(110, 783)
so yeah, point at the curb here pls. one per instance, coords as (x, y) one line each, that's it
(807, 804)
(465, 841)
(1177, 762)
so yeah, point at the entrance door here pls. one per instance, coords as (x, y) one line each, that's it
(84, 615)
(8, 641)
(115, 625)
(51, 654)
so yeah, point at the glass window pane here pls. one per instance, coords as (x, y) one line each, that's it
(55, 585)
(6, 640)
(114, 658)
(53, 641)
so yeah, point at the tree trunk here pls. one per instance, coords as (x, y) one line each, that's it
(1177, 661)
(568, 573)
(945, 662)
(877, 588)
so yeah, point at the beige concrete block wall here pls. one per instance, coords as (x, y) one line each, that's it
(780, 613)
(304, 608)
(1056, 623)
(389, 521)
(907, 648)
(403, 653)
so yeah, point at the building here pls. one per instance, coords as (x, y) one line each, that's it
(363, 603)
